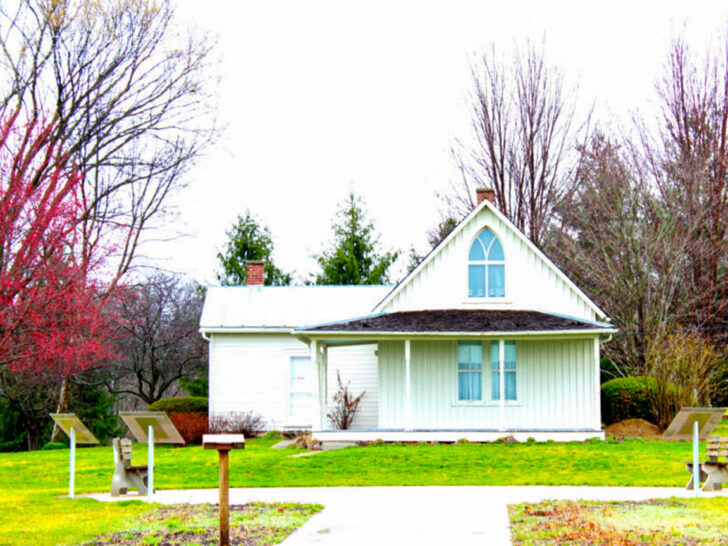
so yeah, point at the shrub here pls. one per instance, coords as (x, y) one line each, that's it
(54, 445)
(628, 398)
(182, 404)
(190, 424)
(250, 424)
(187, 413)
(18, 444)
(345, 406)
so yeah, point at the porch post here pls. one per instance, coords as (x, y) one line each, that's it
(502, 379)
(324, 384)
(597, 387)
(316, 423)
(407, 389)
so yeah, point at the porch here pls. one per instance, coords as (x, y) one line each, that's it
(475, 380)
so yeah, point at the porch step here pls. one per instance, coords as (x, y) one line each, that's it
(331, 445)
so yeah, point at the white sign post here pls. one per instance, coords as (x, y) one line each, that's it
(696, 457)
(72, 465)
(150, 463)
(70, 424)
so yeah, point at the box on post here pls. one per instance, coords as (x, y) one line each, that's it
(224, 443)
(77, 432)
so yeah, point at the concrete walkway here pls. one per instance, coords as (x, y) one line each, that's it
(466, 515)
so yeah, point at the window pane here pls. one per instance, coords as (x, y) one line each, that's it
(486, 237)
(510, 386)
(496, 251)
(495, 385)
(476, 251)
(476, 281)
(495, 355)
(496, 281)
(510, 355)
(470, 355)
(470, 386)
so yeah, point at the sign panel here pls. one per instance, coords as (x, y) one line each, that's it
(681, 427)
(68, 421)
(140, 421)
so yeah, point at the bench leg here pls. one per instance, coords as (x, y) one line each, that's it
(703, 475)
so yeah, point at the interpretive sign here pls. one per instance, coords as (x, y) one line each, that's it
(77, 432)
(140, 421)
(68, 421)
(682, 425)
(153, 427)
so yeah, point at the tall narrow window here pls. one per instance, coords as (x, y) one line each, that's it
(509, 370)
(486, 267)
(470, 370)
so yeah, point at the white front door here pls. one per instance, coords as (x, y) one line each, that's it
(299, 392)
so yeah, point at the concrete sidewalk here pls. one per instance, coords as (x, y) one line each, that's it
(462, 515)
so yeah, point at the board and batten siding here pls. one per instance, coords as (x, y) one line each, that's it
(555, 384)
(531, 282)
(251, 372)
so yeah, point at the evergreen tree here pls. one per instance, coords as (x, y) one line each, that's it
(248, 240)
(354, 258)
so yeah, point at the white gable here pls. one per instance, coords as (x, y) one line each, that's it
(251, 307)
(533, 282)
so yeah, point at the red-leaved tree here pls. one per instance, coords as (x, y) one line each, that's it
(53, 320)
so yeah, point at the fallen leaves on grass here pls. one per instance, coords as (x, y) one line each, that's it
(569, 522)
(255, 524)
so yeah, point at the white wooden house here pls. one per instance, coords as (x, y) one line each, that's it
(485, 338)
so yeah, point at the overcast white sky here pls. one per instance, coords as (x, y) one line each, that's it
(321, 98)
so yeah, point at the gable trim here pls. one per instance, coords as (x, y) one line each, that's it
(436, 250)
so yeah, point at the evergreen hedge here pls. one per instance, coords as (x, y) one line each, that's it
(627, 398)
(183, 404)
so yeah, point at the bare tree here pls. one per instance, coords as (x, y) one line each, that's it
(126, 89)
(687, 156)
(160, 342)
(526, 135)
(616, 240)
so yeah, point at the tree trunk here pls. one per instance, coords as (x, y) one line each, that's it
(63, 400)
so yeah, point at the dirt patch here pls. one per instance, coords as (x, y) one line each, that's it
(633, 428)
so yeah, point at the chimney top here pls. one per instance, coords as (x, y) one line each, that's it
(485, 193)
(255, 273)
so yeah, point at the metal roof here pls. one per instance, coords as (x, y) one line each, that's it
(264, 307)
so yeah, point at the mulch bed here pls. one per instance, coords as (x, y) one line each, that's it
(633, 428)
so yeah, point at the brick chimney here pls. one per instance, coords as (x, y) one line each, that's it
(485, 193)
(254, 272)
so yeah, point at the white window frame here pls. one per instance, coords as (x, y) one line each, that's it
(501, 400)
(475, 402)
(486, 263)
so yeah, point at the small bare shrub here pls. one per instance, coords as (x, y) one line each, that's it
(346, 406)
(683, 366)
(249, 424)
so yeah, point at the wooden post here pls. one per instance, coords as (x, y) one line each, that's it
(224, 498)
(317, 422)
(224, 443)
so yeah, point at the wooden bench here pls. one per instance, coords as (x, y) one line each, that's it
(713, 471)
(126, 475)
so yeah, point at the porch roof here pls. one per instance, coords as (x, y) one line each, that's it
(459, 321)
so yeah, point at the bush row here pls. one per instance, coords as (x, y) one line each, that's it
(628, 398)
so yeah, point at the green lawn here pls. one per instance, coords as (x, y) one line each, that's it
(33, 484)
